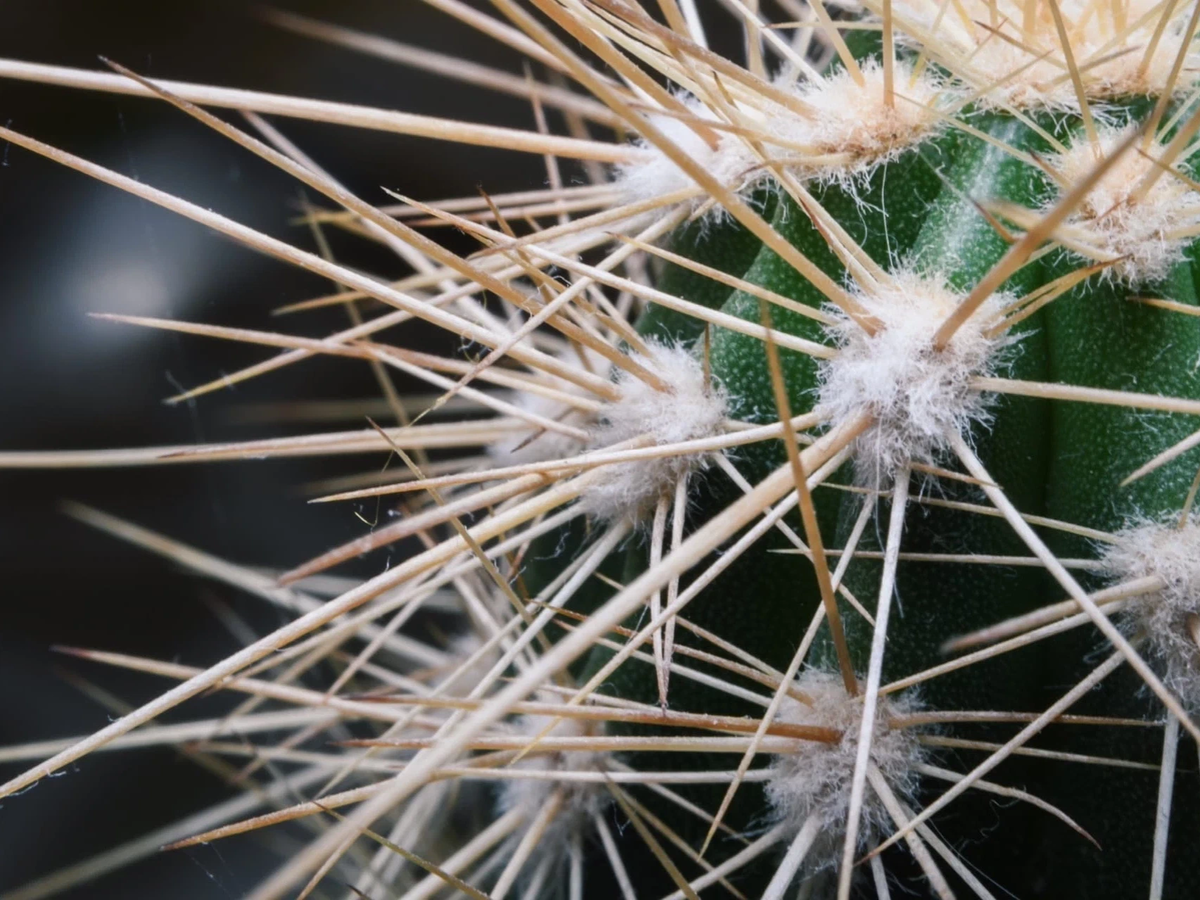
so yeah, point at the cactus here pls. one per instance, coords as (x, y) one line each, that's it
(835, 534)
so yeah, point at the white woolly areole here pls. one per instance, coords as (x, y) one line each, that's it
(852, 131)
(694, 408)
(816, 779)
(1115, 224)
(580, 799)
(461, 648)
(731, 162)
(537, 444)
(1010, 67)
(918, 397)
(1169, 616)
(533, 443)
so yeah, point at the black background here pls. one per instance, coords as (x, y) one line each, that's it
(69, 246)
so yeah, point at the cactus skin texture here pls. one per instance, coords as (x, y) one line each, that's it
(969, 270)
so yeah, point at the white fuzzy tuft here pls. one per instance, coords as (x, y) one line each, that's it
(579, 799)
(731, 162)
(919, 397)
(852, 132)
(816, 780)
(1113, 224)
(538, 444)
(534, 444)
(1020, 70)
(460, 648)
(1167, 617)
(694, 408)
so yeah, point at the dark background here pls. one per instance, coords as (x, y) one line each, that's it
(69, 246)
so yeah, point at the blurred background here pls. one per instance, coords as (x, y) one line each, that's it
(68, 247)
